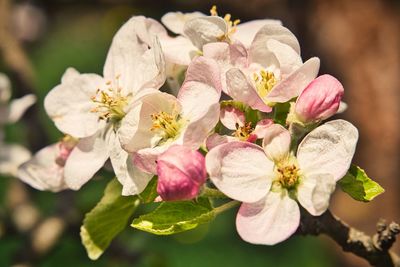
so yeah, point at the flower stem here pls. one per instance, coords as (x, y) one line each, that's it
(226, 206)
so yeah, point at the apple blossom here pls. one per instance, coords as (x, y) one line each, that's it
(270, 71)
(181, 172)
(269, 179)
(91, 107)
(159, 119)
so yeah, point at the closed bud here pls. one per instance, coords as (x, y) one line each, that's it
(319, 100)
(181, 172)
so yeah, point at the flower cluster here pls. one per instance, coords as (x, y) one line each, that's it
(244, 116)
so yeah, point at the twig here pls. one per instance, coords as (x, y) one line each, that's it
(374, 249)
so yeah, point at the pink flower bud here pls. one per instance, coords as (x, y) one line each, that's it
(181, 171)
(320, 99)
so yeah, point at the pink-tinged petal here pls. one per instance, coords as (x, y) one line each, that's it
(181, 172)
(88, 156)
(135, 131)
(277, 32)
(240, 170)
(132, 179)
(146, 159)
(175, 21)
(201, 88)
(288, 59)
(178, 50)
(276, 142)
(328, 149)
(320, 100)
(215, 140)
(41, 171)
(261, 128)
(246, 31)
(292, 85)
(70, 106)
(314, 192)
(205, 30)
(241, 90)
(135, 55)
(232, 117)
(19, 106)
(270, 220)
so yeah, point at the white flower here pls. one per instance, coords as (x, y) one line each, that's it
(159, 120)
(270, 179)
(91, 107)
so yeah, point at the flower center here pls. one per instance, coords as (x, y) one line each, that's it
(243, 133)
(287, 175)
(110, 103)
(264, 82)
(166, 126)
(232, 25)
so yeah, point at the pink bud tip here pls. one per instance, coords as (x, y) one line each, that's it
(320, 99)
(181, 172)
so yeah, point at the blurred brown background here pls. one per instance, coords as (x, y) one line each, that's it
(358, 41)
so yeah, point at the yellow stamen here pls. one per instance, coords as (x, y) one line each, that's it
(264, 81)
(167, 125)
(288, 174)
(232, 25)
(243, 132)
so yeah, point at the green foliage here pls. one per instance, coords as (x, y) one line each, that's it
(359, 186)
(174, 217)
(281, 111)
(150, 192)
(107, 219)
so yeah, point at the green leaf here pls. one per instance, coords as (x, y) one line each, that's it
(107, 219)
(359, 186)
(281, 111)
(175, 217)
(150, 192)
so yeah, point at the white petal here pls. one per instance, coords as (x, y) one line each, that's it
(178, 50)
(342, 107)
(328, 149)
(175, 21)
(261, 128)
(69, 104)
(205, 30)
(19, 106)
(215, 139)
(241, 90)
(232, 117)
(288, 59)
(240, 170)
(11, 156)
(134, 55)
(276, 142)
(277, 32)
(269, 221)
(42, 172)
(201, 89)
(245, 32)
(133, 180)
(314, 192)
(292, 85)
(86, 159)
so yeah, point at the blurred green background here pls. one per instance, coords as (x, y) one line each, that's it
(77, 34)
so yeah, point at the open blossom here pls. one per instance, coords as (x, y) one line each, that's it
(320, 100)
(196, 29)
(45, 170)
(181, 172)
(269, 179)
(270, 71)
(11, 155)
(234, 120)
(160, 120)
(91, 107)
